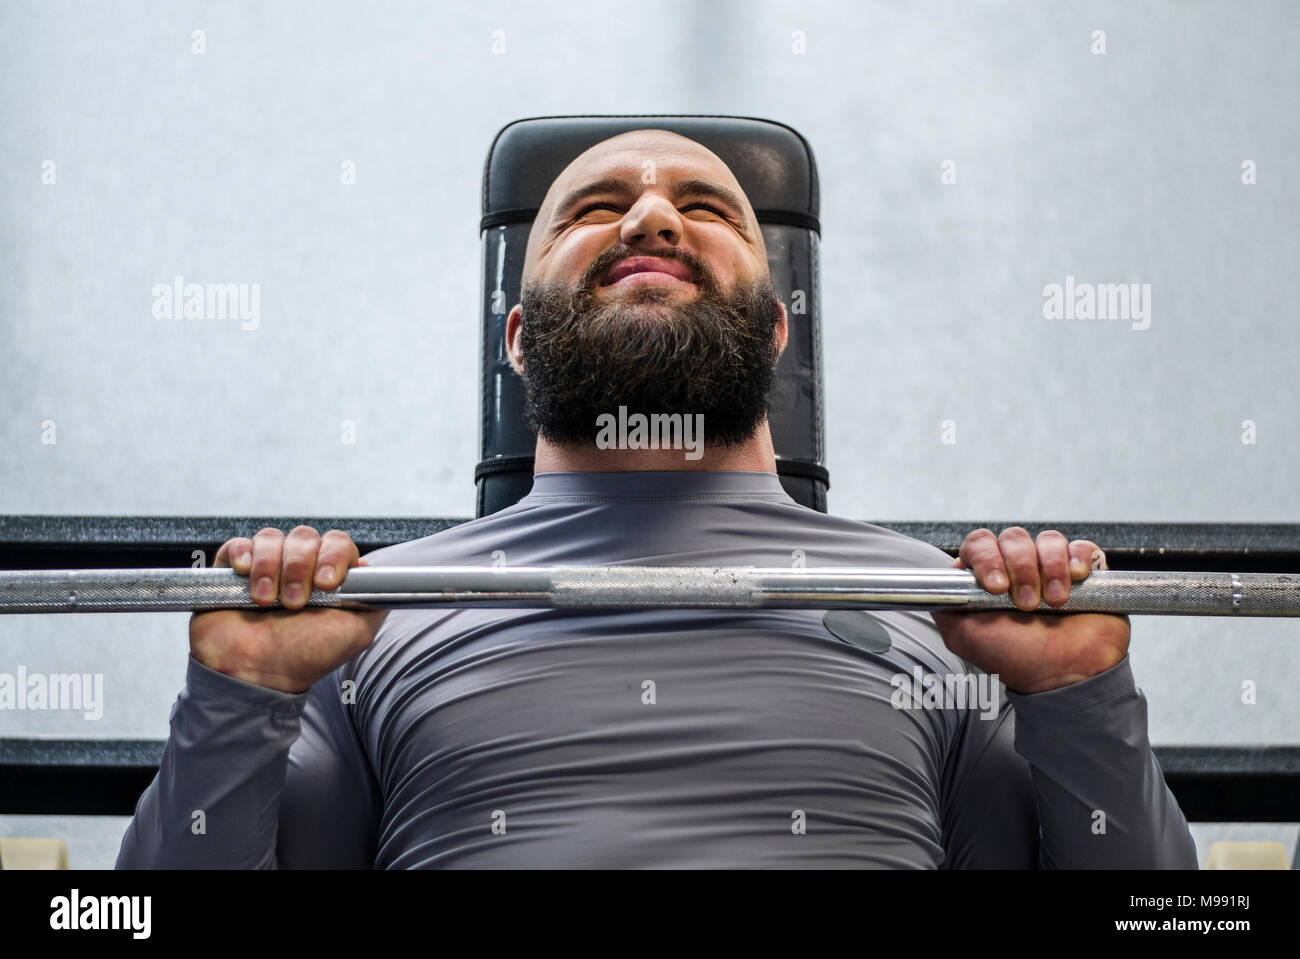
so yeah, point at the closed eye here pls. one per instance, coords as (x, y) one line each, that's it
(594, 206)
(709, 207)
(690, 206)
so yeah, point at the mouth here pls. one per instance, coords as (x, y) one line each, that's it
(643, 270)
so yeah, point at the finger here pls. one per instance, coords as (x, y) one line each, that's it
(264, 573)
(298, 566)
(1021, 558)
(1054, 566)
(337, 552)
(236, 553)
(1081, 551)
(981, 553)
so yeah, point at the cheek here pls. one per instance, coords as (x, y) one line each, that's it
(571, 260)
(728, 265)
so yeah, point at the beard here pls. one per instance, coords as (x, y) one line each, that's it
(713, 355)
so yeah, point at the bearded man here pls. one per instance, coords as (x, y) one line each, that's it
(668, 737)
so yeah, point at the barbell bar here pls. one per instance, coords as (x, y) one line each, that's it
(640, 587)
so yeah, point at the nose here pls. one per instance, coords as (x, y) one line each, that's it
(650, 222)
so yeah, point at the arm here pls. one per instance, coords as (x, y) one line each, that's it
(262, 767)
(1100, 795)
(255, 778)
(1026, 788)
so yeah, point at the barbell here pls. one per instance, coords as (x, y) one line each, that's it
(640, 587)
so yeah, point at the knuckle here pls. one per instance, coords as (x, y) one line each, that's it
(232, 548)
(1024, 573)
(1018, 551)
(336, 540)
(1015, 543)
(1054, 567)
(298, 558)
(295, 571)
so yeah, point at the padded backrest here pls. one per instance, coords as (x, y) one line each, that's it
(775, 167)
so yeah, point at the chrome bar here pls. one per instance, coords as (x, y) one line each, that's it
(622, 587)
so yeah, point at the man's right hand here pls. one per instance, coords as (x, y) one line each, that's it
(286, 649)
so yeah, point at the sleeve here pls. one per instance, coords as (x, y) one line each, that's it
(254, 778)
(1064, 779)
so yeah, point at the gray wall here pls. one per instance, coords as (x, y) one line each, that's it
(226, 166)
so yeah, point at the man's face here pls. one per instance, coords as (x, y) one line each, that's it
(646, 286)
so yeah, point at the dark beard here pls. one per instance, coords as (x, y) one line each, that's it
(713, 355)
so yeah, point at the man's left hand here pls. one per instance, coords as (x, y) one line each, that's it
(1033, 652)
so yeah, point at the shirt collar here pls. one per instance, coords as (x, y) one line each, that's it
(640, 484)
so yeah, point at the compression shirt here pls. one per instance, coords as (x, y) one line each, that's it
(671, 738)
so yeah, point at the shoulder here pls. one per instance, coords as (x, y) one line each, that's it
(471, 542)
(843, 541)
(917, 552)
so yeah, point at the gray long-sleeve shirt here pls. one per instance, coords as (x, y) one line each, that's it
(658, 738)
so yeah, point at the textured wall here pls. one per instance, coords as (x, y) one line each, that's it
(226, 167)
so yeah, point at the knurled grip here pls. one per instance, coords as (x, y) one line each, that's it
(632, 586)
(1172, 594)
(132, 590)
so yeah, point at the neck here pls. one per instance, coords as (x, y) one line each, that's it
(755, 455)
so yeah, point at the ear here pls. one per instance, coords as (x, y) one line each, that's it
(514, 336)
(782, 329)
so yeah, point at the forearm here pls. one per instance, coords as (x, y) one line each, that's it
(1101, 798)
(216, 799)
